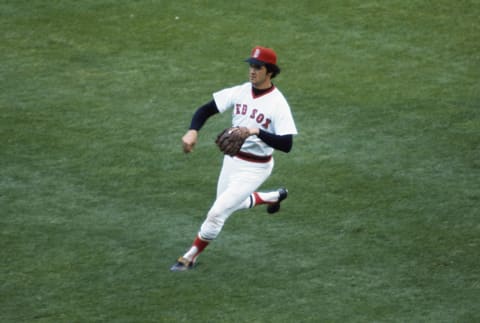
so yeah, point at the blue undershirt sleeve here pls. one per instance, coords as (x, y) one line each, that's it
(202, 114)
(283, 143)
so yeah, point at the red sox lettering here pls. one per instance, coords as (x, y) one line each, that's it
(242, 109)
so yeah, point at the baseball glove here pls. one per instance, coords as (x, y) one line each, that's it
(230, 140)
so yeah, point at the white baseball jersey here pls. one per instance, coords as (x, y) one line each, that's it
(269, 111)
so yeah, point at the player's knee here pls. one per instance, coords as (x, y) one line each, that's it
(209, 231)
(211, 227)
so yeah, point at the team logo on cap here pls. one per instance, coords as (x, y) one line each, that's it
(256, 53)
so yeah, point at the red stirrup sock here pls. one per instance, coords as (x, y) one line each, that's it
(264, 198)
(200, 244)
(257, 200)
(196, 248)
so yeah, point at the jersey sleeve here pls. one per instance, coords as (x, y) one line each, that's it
(224, 99)
(284, 123)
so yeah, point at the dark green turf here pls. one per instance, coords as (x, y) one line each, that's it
(97, 199)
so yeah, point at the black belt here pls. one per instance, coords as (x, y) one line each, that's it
(253, 158)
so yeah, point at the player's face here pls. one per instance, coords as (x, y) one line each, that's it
(258, 76)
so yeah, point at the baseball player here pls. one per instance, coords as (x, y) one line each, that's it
(263, 113)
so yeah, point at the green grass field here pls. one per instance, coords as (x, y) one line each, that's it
(97, 199)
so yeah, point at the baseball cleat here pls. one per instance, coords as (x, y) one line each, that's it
(275, 207)
(182, 264)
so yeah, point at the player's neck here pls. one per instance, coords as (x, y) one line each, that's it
(263, 86)
(259, 91)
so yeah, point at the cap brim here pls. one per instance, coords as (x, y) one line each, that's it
(252, 60)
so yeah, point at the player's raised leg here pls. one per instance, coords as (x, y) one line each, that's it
(271, 198)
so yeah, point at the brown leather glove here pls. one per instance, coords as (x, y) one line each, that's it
(230, 140)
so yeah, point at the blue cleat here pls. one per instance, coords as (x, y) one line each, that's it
(275, 207)
(182, 264)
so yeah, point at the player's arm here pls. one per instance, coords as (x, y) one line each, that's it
(280, 142)
(198, 120)
(202, 114)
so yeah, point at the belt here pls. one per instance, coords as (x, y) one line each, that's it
(253, 158)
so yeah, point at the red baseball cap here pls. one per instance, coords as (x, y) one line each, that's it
(262, 55)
